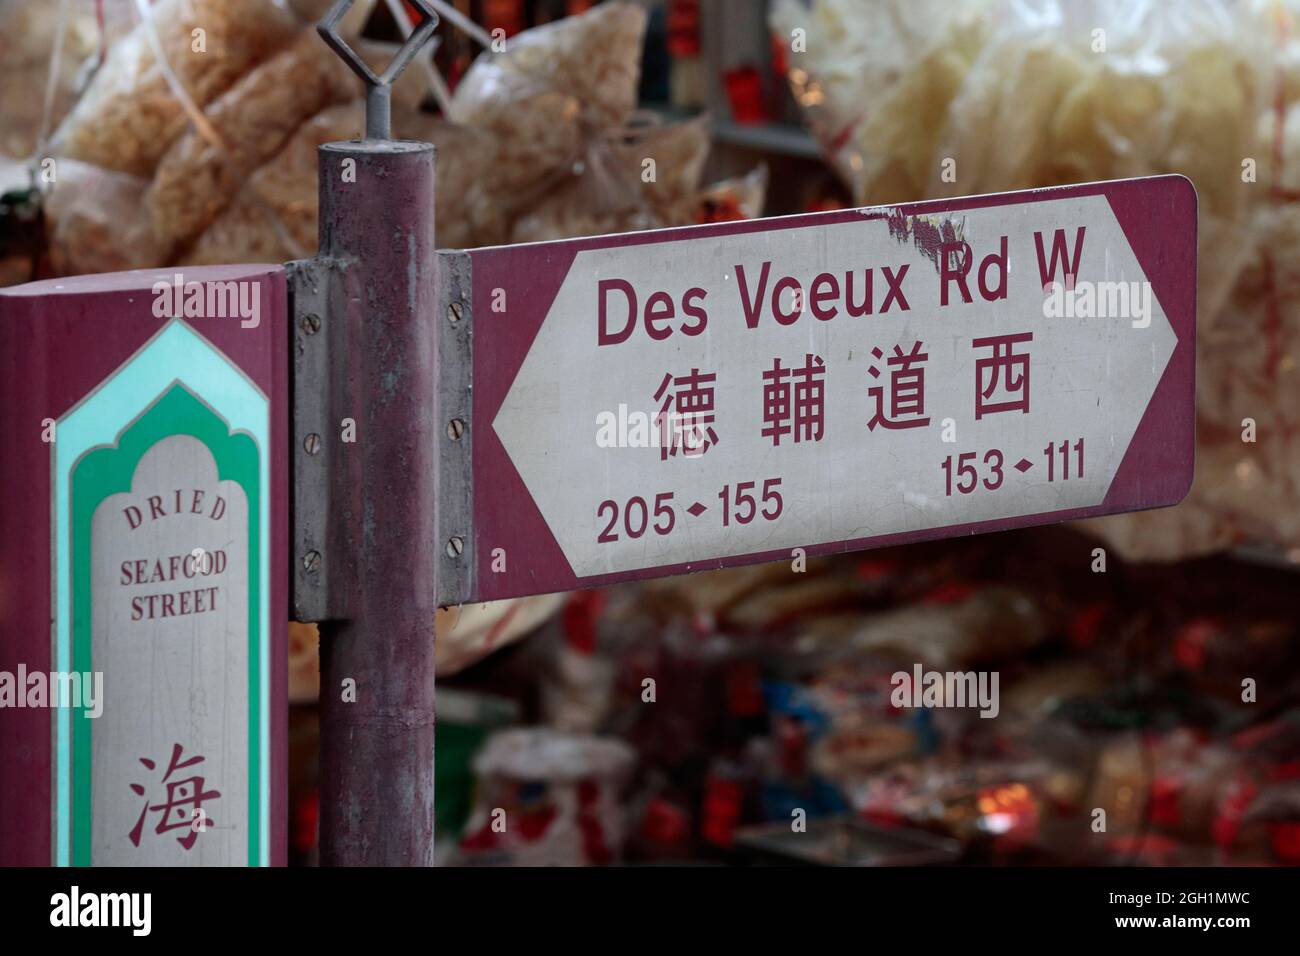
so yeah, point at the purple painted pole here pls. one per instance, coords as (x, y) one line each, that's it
(377, 242)
(366, 494)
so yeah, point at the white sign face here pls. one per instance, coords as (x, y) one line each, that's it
(169, 581)
(694, 400)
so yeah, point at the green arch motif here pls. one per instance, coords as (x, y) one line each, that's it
(108, 471)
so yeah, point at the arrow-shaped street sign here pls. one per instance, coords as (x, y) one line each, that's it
(684, 399)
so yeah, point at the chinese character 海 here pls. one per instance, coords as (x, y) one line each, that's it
(1006, 365)
(906, 390)
(793, 400)
(685, 418)
(183, 802)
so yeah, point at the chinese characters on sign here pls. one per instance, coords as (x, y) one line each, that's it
(836, 379)
(685, 419)
(794, 398)
(181, 807)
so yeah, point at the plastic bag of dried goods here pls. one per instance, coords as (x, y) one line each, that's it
(1069, 92)
(992, 95)
(647, 180)
(1056, 98)
(989, 95)
(49, 49)
(668, 163)
(599, 198)
(876, 80)
(253, 120)
(94, 221)
(740, 197)
(553, 88)
(130, 114)
(1247, 488)
(274, 217)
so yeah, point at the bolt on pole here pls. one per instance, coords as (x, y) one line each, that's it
(376, 560)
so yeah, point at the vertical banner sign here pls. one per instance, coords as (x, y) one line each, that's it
(143, 541)
(673, 401)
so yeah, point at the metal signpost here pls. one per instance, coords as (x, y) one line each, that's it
(488, 424)
(365, 413)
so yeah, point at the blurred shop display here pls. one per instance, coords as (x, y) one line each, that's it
(752, 716)
(845, 843)
(920, 100)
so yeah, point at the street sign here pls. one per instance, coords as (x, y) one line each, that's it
(143, 575)
(685, 399)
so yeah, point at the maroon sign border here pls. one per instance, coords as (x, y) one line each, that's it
(59, 339)
(1158, 215)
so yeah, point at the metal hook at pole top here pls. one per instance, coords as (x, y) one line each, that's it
(378, 88)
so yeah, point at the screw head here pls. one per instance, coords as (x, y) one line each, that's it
(455, 429)
(310, 323)
(456, 311)
(455, 547)
(311, 444)
(311, 561)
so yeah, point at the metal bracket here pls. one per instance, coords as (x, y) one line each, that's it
(378, 88)
(314, 436)
(457, 572)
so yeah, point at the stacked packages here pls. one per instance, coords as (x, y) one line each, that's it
(918, 99)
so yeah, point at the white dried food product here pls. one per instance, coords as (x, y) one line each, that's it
(565, 214)
(881, 74)
(128, 116)
(1043, 109)
(555, 88)
(1014, 95)
(608, 192)
(275, 217)
(94, 221)
(678, 152)
(246, 231)
(595, 58)
(254, 119)
(28, 31)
